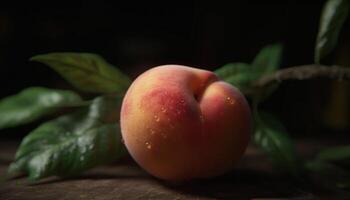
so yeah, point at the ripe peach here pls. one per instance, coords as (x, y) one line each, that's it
(180, 123)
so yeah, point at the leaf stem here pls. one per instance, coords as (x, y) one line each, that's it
(305, 72)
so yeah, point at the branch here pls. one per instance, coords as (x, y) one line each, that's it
(305, 72)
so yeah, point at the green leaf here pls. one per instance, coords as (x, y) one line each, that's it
(87, 72)
(333, 16)
(72, 143)
(268, 59)
(272, 137)
(332, 166)
(330, 175)
(335, 153)
(33, 103)
(339, 154)
(241, 75)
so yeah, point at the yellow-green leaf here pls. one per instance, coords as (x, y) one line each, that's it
(33, 103)
(87, 72)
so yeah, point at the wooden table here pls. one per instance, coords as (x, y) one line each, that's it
(253, 178)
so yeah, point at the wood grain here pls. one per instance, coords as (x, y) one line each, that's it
(253, 178)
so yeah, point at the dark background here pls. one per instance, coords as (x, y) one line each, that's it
(136, 36)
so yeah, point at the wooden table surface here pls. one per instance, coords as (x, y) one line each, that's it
(253, 178)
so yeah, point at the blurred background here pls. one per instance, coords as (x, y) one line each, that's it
(135, 36)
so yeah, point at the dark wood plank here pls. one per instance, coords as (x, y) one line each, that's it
(253, 178)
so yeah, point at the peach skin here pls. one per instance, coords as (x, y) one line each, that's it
(181, 123)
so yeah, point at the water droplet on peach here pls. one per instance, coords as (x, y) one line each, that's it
(229, 100)
(156, 118)
(148, 145)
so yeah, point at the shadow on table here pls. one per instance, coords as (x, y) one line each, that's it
(245, 184)
(126, 171)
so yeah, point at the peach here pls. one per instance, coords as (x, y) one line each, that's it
(181, 123)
